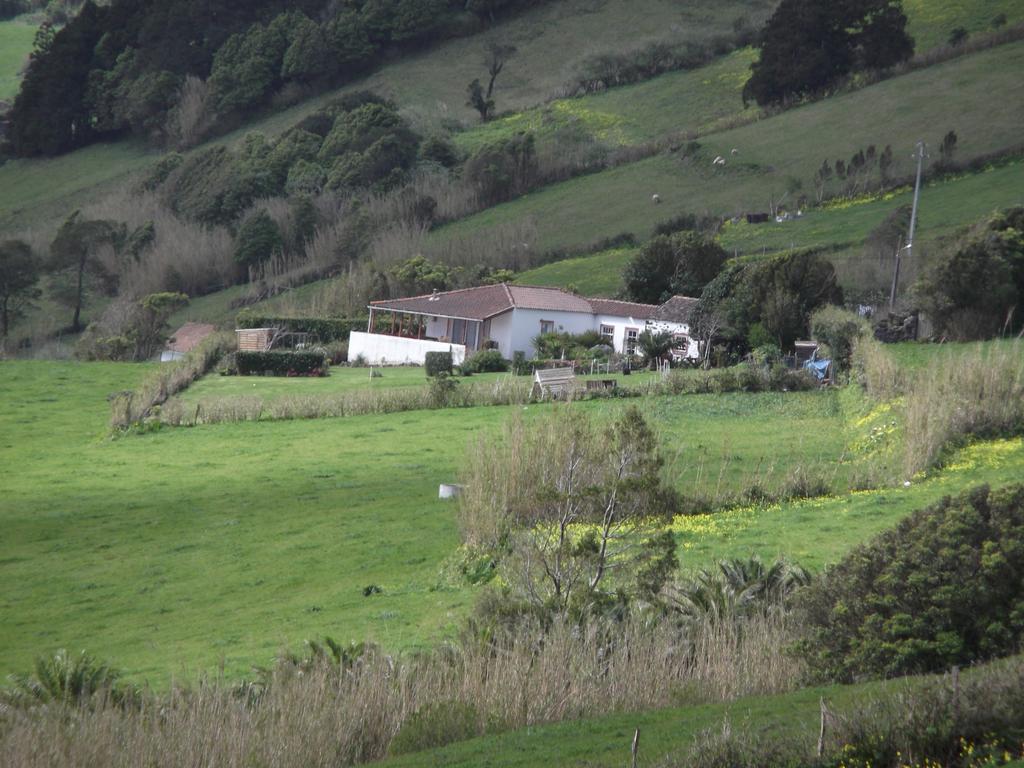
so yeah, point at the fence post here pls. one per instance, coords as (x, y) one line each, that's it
(956, 696)
(636, 747)
(821, 730)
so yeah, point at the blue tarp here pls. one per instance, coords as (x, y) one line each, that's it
(818, 367)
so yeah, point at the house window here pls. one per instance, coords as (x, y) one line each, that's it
(547, 326)
(631, 337)
(608, 332)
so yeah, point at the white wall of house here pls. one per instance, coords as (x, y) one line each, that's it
(620, 325)
(499, 330)
(691, 346)
(379, 349)
(525, 325)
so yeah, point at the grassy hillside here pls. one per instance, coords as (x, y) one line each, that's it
(925, 104)
(596, 275)
(945, 206)
(16, 37)
(672, 103)
(431, 87)
(552, 40)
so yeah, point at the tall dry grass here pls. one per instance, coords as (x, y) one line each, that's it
(217, 410)
(328, 716)
(876, 370)
(973, 394)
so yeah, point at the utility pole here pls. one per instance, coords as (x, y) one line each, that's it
(920, 153)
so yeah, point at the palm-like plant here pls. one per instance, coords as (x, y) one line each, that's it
(66, 678)
(739, 587)
(654, 346)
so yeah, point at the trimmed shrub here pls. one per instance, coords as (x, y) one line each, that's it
(437, 363)
(326, 329)
(279, 363)
(486, 361)
(945, 587)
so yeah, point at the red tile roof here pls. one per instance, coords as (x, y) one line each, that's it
(676, 310)
(487, 301)
(623, 308)
(188, 336)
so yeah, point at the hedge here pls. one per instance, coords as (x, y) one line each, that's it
(281, 363)
(324, 328)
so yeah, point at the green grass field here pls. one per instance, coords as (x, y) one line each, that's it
(179, 550)
(16, 37)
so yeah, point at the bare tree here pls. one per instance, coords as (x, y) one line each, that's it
(578, 503)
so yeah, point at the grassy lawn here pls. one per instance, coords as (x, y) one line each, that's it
(179, 550)
(924, 104)
(184, 549)
(16, 38)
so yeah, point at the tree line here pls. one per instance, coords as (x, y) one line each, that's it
(143, 67)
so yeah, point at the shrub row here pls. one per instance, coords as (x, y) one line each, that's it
(133, 407)
(326, 329)
(279, 363)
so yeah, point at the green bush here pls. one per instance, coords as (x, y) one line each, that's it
(435, 725)
(519, 365)
(838, 329)
(486, 361)
(278, 363)
(437, 363)
(945, 587)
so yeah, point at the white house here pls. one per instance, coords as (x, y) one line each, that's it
(507, 317)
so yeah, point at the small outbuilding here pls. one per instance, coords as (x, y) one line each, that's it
(184, 340)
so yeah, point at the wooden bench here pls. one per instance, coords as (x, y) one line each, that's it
(556, 382)
(599, 384)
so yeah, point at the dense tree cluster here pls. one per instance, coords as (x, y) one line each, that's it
(808, 45)
(767, 301)
(125, 67)
(359, 142)
(976, 287)
(682, 263)
(942, 588)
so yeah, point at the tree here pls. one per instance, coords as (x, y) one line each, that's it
(257, 240)
(416, 276)
(682, 264)
(976, 287)
(75, 254)
(478, 100)
(19, 273)
(958, 36)
(496, 56)
(947, 149)
(808, 45)
(579, 507)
